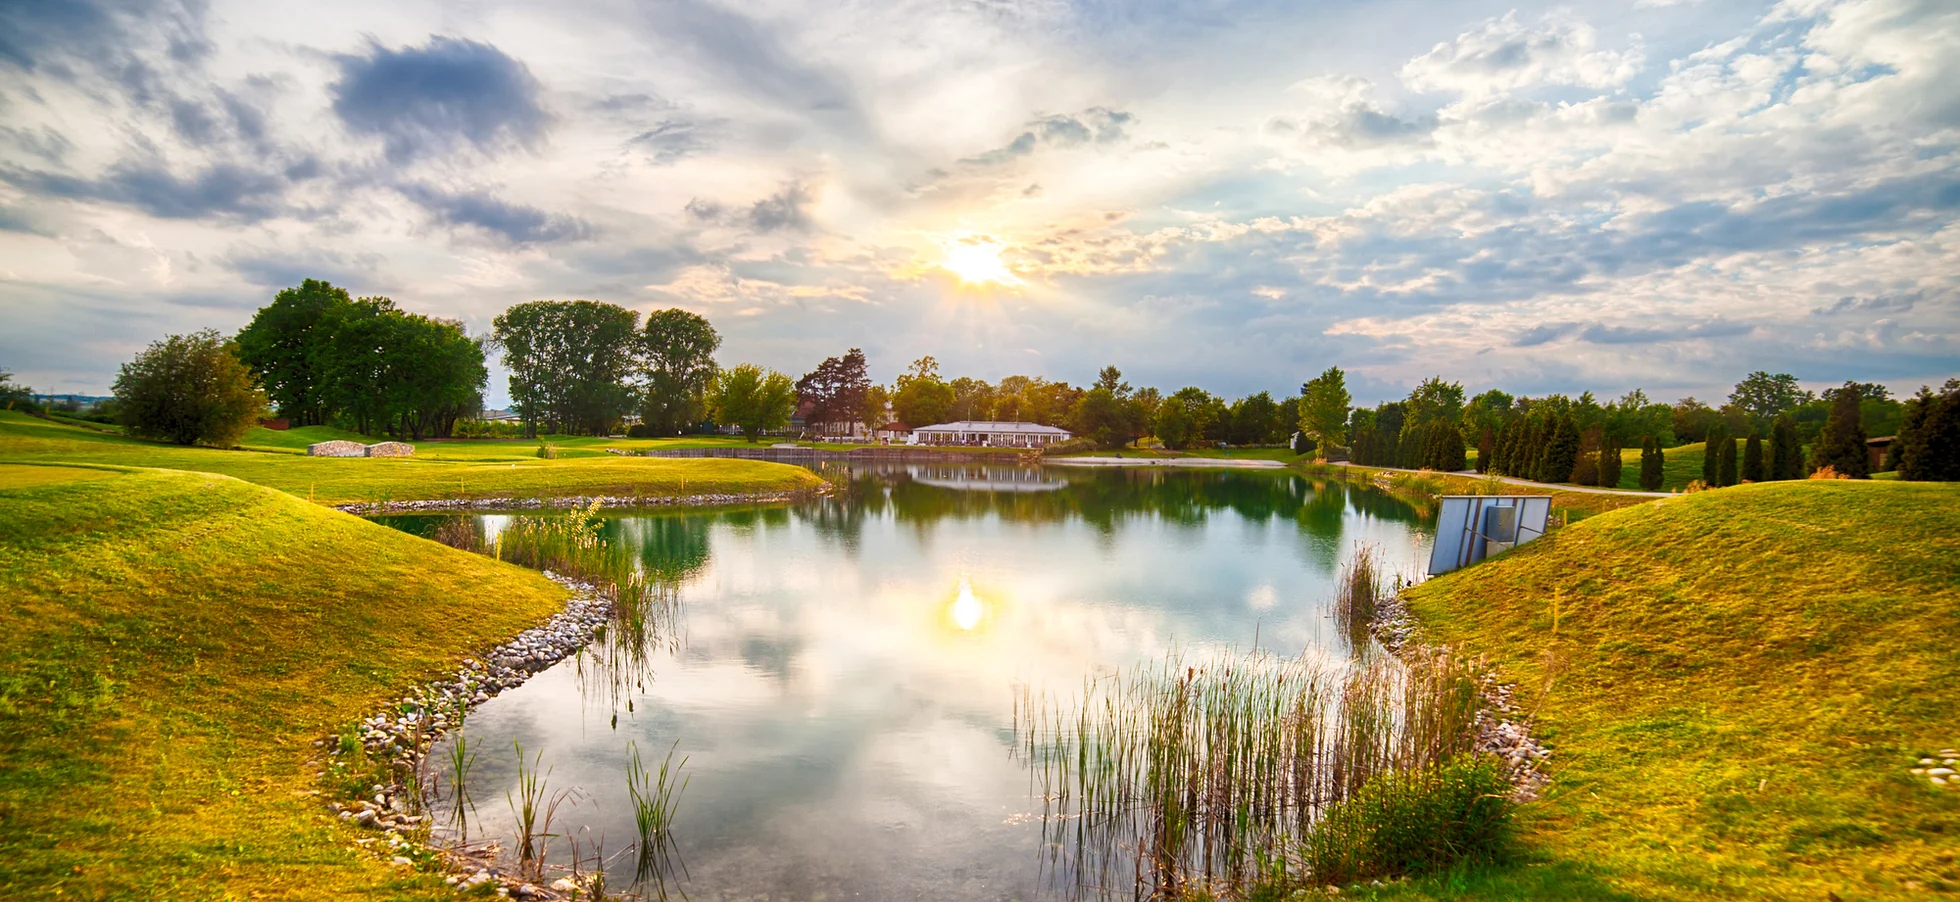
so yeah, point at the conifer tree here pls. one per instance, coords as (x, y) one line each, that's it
(1486, 449)
(1561, 453)
(1842, 445)
(1914, 415)
(1609, 464)
(1785, 450)
(1934, 454)
(1752, 458)
(1653, 464)
(1711, 455)
(1726, 469)
(1585, 468)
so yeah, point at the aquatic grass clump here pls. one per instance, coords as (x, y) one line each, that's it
(1179, 776)
(655, 798)
(1413, 822)
(1359, 593)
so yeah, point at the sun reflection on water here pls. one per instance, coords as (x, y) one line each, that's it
(967, 609)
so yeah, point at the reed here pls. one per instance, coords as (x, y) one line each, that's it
(462, 760)
(533, 808)
(655, 797)
(1182, 776)
(1358, 594)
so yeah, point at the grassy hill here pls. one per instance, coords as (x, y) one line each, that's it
(1735, 684)
(342, 480)
(298, 437)
(1680, 465)
(171, 644)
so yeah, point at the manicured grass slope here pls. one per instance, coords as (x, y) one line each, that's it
(341, 480)
(1736, 686)
(170, 645)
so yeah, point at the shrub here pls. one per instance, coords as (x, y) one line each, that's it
(548, 451)
(1414, 822)
(1827, 472)
(1072, 446)
(189, 389)
(1725, 468)
(1752, 459)
(487, 429)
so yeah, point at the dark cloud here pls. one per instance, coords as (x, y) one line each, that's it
(122, 42)
(1883, 304)
(279, 268)
(447, 95)
(45, 142)
(508, 222)
(223, 190)
(782, 210)
(706, 210)
(671, 140)
(1627, 335)
(1543, 333)
(1096, 125)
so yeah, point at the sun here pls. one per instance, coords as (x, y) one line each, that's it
(976, 261)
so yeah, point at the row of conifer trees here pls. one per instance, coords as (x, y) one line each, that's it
(1551, 448)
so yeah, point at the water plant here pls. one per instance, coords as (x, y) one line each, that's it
(1182, 775)
(462, 759)
(533, 811)
(1452, 811)
(655, 798)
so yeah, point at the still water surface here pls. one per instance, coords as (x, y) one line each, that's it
(841, 673)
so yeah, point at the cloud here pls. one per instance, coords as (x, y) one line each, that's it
(1096, 125)
(1503, 54)
(516, 224)
(447, 95)
(783, 210)
(223, 190)
(282, 267)
(671, 140)
(130, 45)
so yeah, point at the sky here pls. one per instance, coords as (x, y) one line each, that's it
(1663, 194)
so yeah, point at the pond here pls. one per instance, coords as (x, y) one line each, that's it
(841, 675)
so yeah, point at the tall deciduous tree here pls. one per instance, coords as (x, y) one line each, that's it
(677, 364)
(921, 398)
(752, 398)
(1183, 417)
(1841, 446)
(568, 363)
(289, 344)
(1324, 409)
(189, 389)
(1255, 421)
(1764, 396)
(834, 391)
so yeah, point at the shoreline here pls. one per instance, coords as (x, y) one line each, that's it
(1225, 463)
(437, 505)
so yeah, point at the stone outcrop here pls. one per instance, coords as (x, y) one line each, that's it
(390, 449)
(336, 448)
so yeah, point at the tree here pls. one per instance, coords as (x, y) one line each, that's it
(1653, 464)
(1585, 468)
(1867, 391)
(288, 344)
(1486, 449)
(12, 392)
(1324, 409)
(1692, 420)
(1932, 451)
(1255, 421)
(677, 364)
(1764, 396)
(189, 389)
(922, 398)
(1561, 453)
(1183, 417)
(834, 391)
(1443, 448)
(877, 408)
(1785, 451)
(1841, 446)
(973, 399)
(568, 363)
(1711, 457)
(752, 398)
(1725, 470)
(1753, 469)
(1609, 462)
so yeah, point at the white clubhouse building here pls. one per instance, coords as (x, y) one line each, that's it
(990, 435)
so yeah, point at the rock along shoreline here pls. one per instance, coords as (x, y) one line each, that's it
(402, 734)
(570, 501)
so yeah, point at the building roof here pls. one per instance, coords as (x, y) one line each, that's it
(999, 428)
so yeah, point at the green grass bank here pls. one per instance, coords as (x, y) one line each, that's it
(171, 645)
(347, 480)
(1735, 684)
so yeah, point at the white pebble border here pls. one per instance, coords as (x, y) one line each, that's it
(406, 730)
(1502, 729)
(1941, 770)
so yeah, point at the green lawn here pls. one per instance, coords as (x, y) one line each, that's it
(1284, 455)
(170, 646)
(343, 480)
(1735, 684)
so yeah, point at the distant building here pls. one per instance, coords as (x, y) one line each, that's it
(1877, 447)
(498, 416)
(990, 435)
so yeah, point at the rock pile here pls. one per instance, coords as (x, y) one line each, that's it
(336, 448)
(390, 449)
